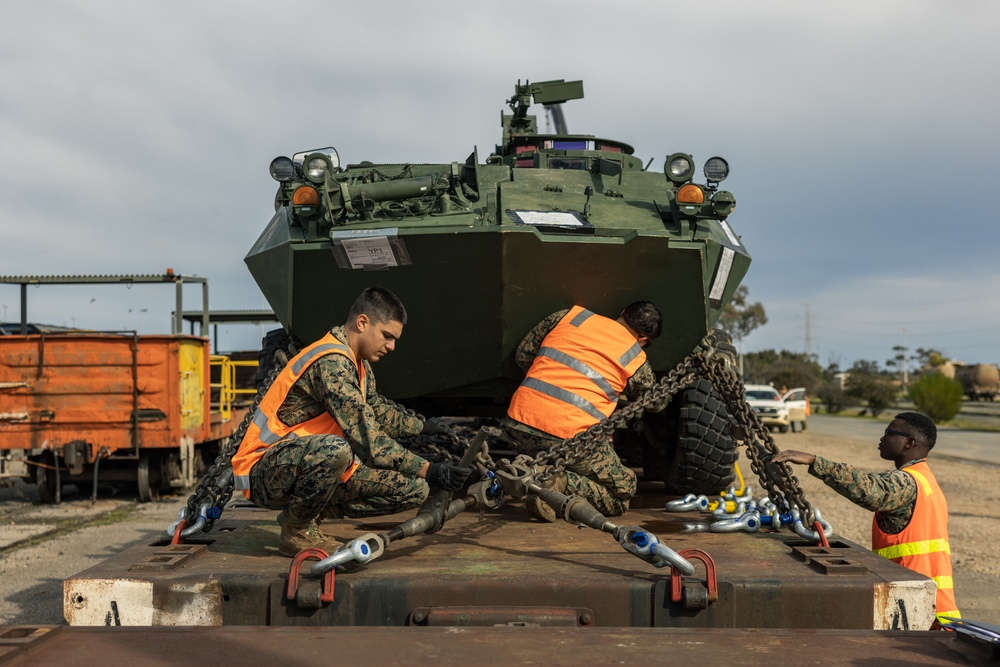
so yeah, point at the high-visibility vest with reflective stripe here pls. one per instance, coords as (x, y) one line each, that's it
(923, 545)
(267, 429)
(582, 366)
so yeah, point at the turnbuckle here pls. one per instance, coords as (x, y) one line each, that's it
(515, 476)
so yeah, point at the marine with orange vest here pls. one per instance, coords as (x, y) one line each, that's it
(910, 526)
(322, 443)
(577, 363)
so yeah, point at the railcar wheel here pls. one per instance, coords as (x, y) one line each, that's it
(148, 477)
(45, 480)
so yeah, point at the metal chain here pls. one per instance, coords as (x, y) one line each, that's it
(711, 358)
(585, 444)
(216, 486)
(781, 485)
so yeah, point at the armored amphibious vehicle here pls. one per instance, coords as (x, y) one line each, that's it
(491, 247)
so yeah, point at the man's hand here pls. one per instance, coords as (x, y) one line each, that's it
(436, 425)
(447, 476)
(792, 456)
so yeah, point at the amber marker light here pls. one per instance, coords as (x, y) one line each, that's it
(305, 196)
(690, 194)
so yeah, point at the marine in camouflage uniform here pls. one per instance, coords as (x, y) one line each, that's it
(892, 494)
(301, 475)
(911, 521)
(602, 479)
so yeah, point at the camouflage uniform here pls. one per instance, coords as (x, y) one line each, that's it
(301, 475)
(891, 494)
(602, 478)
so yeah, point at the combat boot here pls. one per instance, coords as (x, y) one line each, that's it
(297, 535)
(537, 507)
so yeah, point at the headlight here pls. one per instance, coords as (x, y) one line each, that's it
(679, 167)
(716, 169)
(316, 169)
(316, 163)
(282, 169)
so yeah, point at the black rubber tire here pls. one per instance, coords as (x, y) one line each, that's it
(705, 453)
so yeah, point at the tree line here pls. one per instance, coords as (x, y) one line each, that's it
(863, 385)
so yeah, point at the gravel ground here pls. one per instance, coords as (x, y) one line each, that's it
(32, 572)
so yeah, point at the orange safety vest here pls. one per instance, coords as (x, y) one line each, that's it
(923, 545)
(582, 366)
(267, 429)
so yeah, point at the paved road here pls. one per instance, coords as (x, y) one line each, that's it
(980, 446)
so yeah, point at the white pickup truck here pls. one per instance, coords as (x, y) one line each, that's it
(779, 411)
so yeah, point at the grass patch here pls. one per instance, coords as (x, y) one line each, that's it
(65, 526)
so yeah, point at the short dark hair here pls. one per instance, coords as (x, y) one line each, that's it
(380, 305)
(644, 318)
(922, 424)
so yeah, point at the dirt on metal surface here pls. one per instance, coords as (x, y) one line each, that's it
(291, 647)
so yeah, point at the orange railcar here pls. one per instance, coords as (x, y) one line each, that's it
(92, 407)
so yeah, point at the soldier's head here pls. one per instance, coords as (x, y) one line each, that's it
(909, 436)
(374, 323)
(643, 320)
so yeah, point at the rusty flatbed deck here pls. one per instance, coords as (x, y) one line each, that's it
(249, 646)
(504, 568)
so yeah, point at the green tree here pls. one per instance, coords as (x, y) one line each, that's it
(788, 369)
(740, 318)
(868, 384)
(940, 398)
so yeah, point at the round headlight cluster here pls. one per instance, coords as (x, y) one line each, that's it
(316, 169)
(282, 169)
(716, 169)
(679, 167)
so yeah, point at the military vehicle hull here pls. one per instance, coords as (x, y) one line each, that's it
(480, 252)
(473, 292)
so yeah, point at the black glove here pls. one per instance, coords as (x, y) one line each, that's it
(435, 425)
(447, 476)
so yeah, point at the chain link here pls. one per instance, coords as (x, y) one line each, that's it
(216, 486)
(713, 357)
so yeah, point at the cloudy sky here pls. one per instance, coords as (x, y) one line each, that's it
(862, 138)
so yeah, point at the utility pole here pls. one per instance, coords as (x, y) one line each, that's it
(809, 338)
(906, 370)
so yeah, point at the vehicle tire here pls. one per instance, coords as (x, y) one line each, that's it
(274, 341)
(689, 447)
(783, 428)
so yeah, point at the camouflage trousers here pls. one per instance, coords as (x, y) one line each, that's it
(302, 477)
(602, 479)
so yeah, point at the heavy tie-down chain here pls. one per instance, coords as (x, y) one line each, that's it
(714, 358)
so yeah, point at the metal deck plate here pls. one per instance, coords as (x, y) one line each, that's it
(504, 568)
(246, 646)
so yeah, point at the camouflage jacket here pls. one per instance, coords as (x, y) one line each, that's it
(331, 383)
(640, 381)
(892, 494)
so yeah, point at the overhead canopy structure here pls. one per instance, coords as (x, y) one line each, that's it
(217, 317)
(178, 279)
